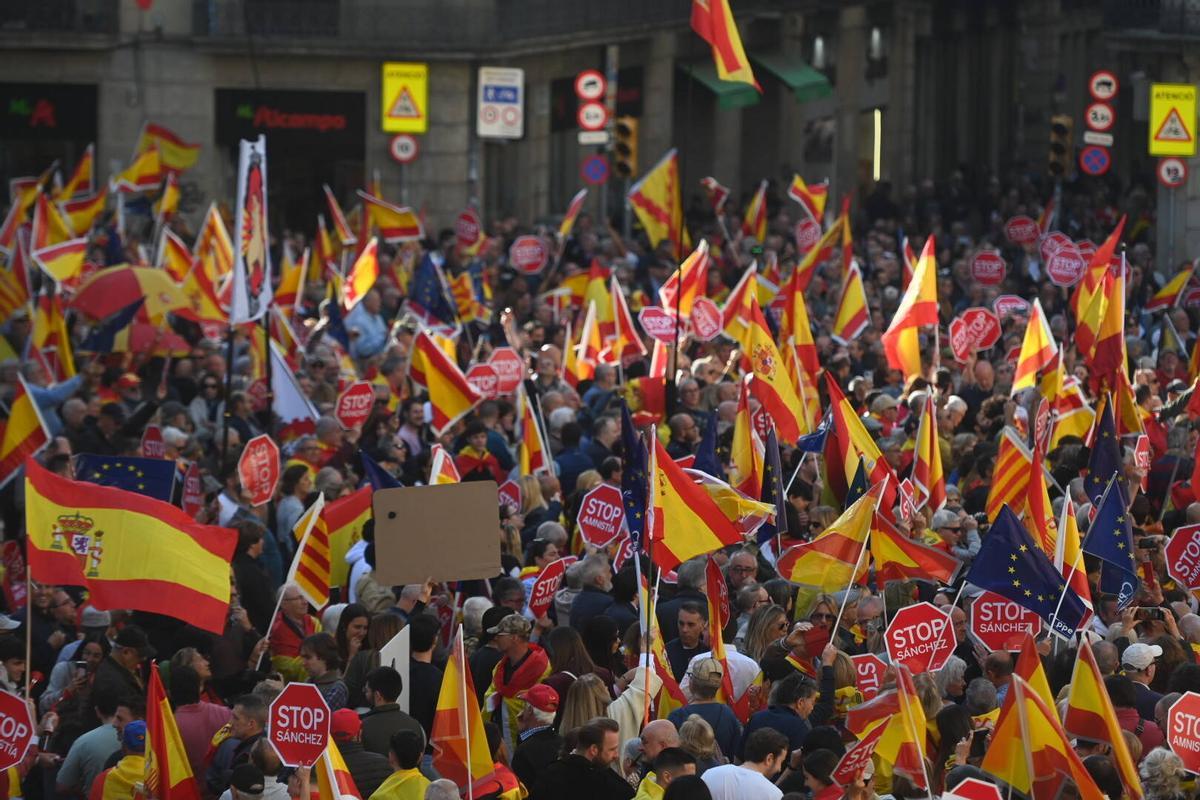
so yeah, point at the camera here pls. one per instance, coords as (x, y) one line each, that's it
(1150, 614)
(1147, 543)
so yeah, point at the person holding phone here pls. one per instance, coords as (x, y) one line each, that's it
(73, 679)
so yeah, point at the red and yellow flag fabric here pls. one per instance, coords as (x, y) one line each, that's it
(625, 341)
(49, 226)
(574, 368)
(394, 223)
(291, 280)
(442, 469)
(144, 174)
(344, 519)
(1087, 301)
(797, 326)
(168, 771)
(460, 748)
(174, 153)
(213, 246)
(822, 251)
(712, 20)
(573, 209)
(849, 441)
(717, 593)
(1090, 715)
(311, 566)
(532, 450)
(50, 334)
(1010, 475)
(853, 313)
(810, 197)
(63, 261)
(449, 393)
(771, 386)
(341, 228)
(899, 558)
(903, 741)
(687, 521)
(657, 201)
(1168, 296)
(1068, 555)
(168, 202)
(1038, 349)
(746, 451)
(23, 434)
(1029, 666)
(918, 307)
(362, 275)
(83, 178)
(334, 781)
(927, 474)
(754, 223)
(735, 314)
(81, 213)
(686, 283)
(835, 559)
(1039, 516)
(127, 550)
(1108, 358)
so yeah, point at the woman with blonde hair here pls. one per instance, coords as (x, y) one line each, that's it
(820, 518)
(845, 685)
(767, 624)
(587, 698)
(697, 738)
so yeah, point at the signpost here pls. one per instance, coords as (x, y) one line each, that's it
(403, 148)
(1172, 172)
(405, 98)
(354, 405)
(1172, 119)
(601, 516)
(500, 112)
(258, 469)
(298, 725)
(921, 638)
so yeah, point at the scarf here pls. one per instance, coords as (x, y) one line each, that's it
(532, 669)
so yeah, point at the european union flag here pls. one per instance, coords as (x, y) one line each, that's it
(152, 477)
(1011, 565)
(815, 441)
(772, 490)
(635, 477)
(427, 293)
(1110, 538)
(377, 476)
(103, 338)
(859, 485)
(706, 452)
(1105, 460)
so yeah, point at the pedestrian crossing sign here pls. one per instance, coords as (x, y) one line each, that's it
(405, 98)
(1172, 119)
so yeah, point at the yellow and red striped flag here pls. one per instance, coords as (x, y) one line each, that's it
(362, 275)
(1010, 474)
(574, 368)
(735, 314)
(754, 223)
(1168, 296)
(1087, 307)
(324, 251)
(717, 593)
(927, 474)
(849, 441)
(712, 20)
(442, 469)
(625, 340)
(686, 283)
(1108, 357)
(821, 251)
(573, 209)
(853, 314)
(835, 559)
(533, 454)
(1038, 349)
(449, 393)
(49, 226)
(168, 201)
(395, 224)
(1068, 554)
(772, 385)
(1039, 516)
(291, 280)
(168, 770)
(1090, 715)
(83, 177)
(810, 197)
(797, 327)
(23, 434)
(341, 228)
(657, 201)
(50, 334)
(144, 174)
(902, 743)
(334, 781)
(918, 307)
(746, 451)
(687, 521)
(63, 261)
(174, 153)
(459, 742)
(81, 213)
(213, 246)
(344, 519)
(311, 566)
(899, 558)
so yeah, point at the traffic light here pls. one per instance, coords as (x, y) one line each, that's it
(1061, 147)
(626, 147)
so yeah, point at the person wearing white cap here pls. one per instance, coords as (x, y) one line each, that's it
(1139, 663)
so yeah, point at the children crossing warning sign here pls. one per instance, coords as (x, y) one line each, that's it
(1172, 119)
(405, 96)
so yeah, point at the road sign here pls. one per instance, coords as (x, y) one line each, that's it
(467, 229)
(857, 757)
(594, 169)
(500, 111)
(354, 405)
(592, 116)
(1099, 116)
(485, 379)
(258, 469)
(998, 623)
(546, 585)
(658, 324)
(590, 85)
(528, 254)
(706, 319)
(973, 789)
(1183, 556)
(403, 148)
(921, 638)
(1094, 160)
(1095, 137)
(1103, 85)
(1172, 119)
(988, 267)
(601, 516)
(1021, 230)
(152, 443)
(509, 367)
(405, 98)
(870, 669)
(298, 724)
(1172, 172)
(1183, 730)
(16, 730)
(1007, 304)
(593, 137)
(509, 494)
(1066, 266)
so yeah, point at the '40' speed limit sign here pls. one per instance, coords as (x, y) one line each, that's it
(403, 148)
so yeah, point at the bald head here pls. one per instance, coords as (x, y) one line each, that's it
(657, 736)
(1106, 657)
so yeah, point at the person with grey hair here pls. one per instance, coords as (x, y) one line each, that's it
(555, 421)
(689, 587)
(951, 680)
(329, 482)
(442, 789)
(595, 596)
(473, 608)
(980, 697)
(1107, 658)
(554, 533)
(1161, 772)
(956, 410)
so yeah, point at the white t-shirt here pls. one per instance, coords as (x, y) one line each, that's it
(729, 782)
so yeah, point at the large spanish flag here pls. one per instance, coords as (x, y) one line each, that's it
(686, 283)
(23, 434)
(657, 201)
(127, 550)
(899, 558)
(835, 559)
(918, 307)
(687, 521)
(772, 385)
(449, 393)
(168, 771)
(459, 742)
(395, 224)
(1090, 715)
(853, 313)
(362, 276)
(713, 21)
(174, 152)
(1038, 349)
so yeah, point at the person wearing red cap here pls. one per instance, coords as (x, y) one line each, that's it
(369, 770)
(538, 743)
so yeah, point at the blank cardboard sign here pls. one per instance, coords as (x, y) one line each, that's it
(448, 533)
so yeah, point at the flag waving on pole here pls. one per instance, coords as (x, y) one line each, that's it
(918, 307)
(713, 21)
(657, 201)
(251, 252)
(168, 771)
(460, 748)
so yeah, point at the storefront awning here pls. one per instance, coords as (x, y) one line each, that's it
(730, 94)
(805, 82)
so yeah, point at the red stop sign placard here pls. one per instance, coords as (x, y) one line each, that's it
(1021, 230)
(546, 585)
(706, 319)
(1065, 267)
(601, 516)
(870, 669)
(959, 343)
(1183, 730)
(1183, 556)
(298, 725)
(509, 494)
(998, 623)
(982, 327)
(467, 229)
(658, 324)
(807, 233)
(152, 443)
(16, 730)
(258, 469)
(528, 254)
(988, 267)
(857, 757)
(509, 368)
(975, 789)
(193, 491)
(485, 379)
(1007, 304)
(354, 405)
(921, 638)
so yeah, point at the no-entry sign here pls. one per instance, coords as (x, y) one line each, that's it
(258, 469)
(16, 730)
(998, 623)
(298, 725)
(921, 638)
(601, 516)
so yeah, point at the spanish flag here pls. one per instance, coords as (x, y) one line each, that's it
(1168, 296)
(754, 224)
(899, 558)
(532, 449)
(1090, 715)
(174, 153)
(927, 472)
(918, 306)
(851, 441)
(718, 617)
(168, 771)
(63, 261)
(442, 469)
(835, 559)
(712, 20)
(1038, 349)
(1039, 516)
(334, 781)
(686, 283)
(341, 228)
(1029, 667)
(362, 275)
(902, 743)
(853, 313)
(657, 202)
(573, 209)
(81, 213)
(83, 178)
(574, 369)
(291, 280)
(49, 226)
(395, 224)
(50, 333)
(1010, 475)
(344, 519)
(625, 341)
(127, 550)
(746, 451)
(772, 386)
(811, 198)
(168, 201)
(23, 434)
(324, 251)
(735, 314)
(796, 325)
(459, 742)
(449, 393)
(821, 252)
(1108, 356)
(310, 569)
(1089, 308)
(687, 521)
(1068, 554)
(143, 175)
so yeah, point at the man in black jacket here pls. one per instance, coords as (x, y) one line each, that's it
(385, 718)
(690, 583)
(367, 769)
(586, 772)
(120, 674)
(539, 743)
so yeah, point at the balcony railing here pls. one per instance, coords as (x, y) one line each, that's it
(1171, 18)
(60, 16)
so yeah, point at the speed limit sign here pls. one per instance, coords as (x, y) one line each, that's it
(1172, 172)
(403, 148)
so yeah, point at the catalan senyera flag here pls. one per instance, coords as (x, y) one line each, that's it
(395, 224)
(459, 742)
(746, 451)
(712, 20)
(81, 213)
(1030, 750)
(811, 198)
(168, 771)
(687, 521)
(1168, 296)
(899, 558)
(214, 247)
(657, 201)
(343, 520)
(310, 569)
(918, 306)
(1090, 715)
(772, 386)
(362, 275)
(449, 393)
(83, 178)
(1010, 476)
(341, 228)
(144, 174)
(822, 251)
(174, 152)
(334, 781)
(63, 261)
(127, 550)
(903, 741)
(853, 313)
(532, 450)
(573, 209)
(168, 201)
(462, 291)
(442, 469)
(1038, 349)
(754, 223)
(927, 474)
(835, 559)
(686, 283)
(23, 434)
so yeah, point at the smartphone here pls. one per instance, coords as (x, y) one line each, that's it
(1149, 614)
(979, 742)
(1147, 542)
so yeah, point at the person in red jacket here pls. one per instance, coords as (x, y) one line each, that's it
(474, 462)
